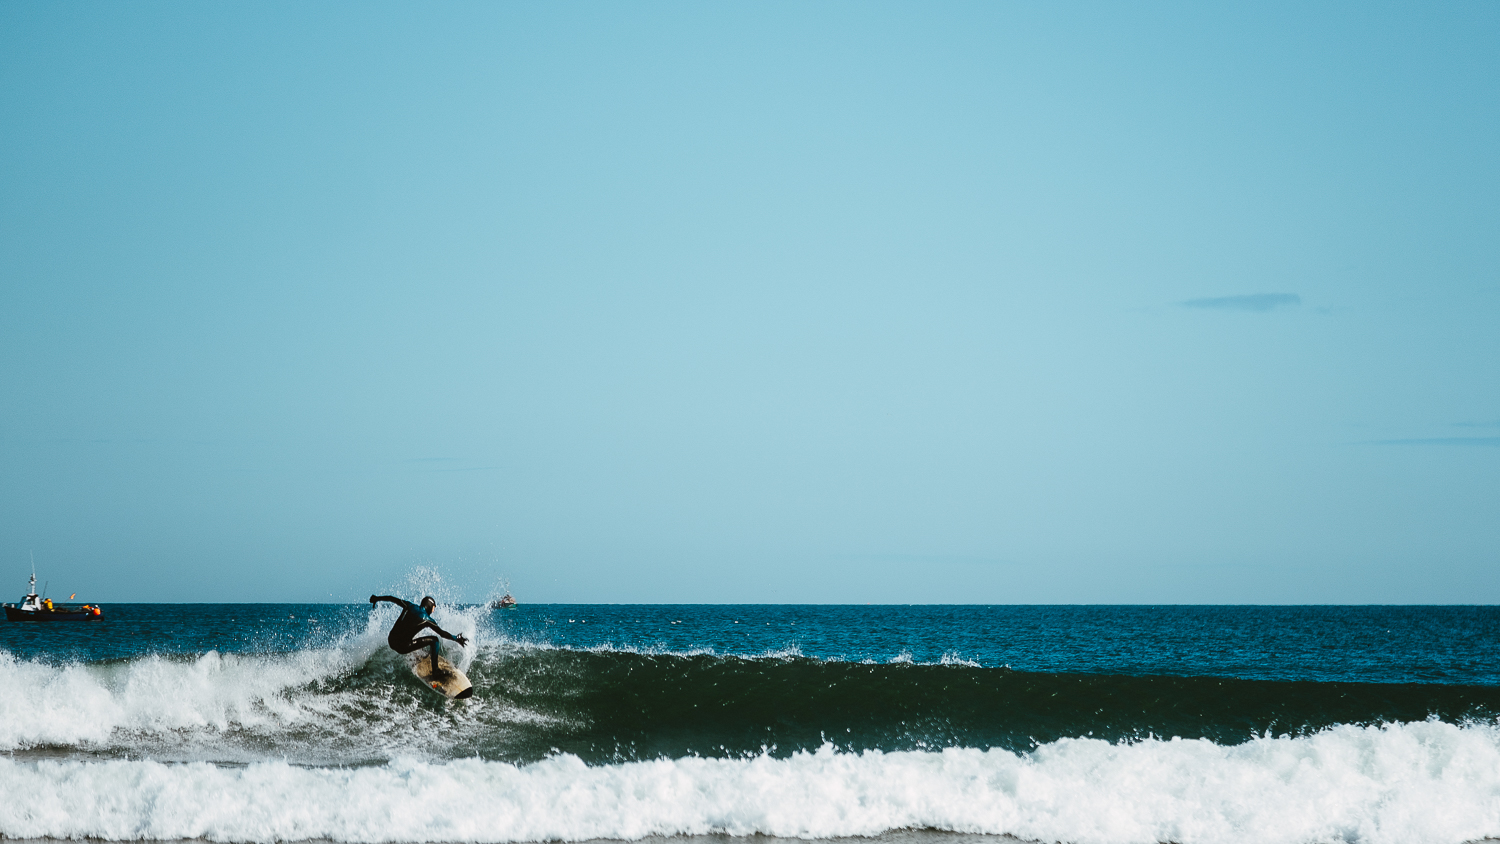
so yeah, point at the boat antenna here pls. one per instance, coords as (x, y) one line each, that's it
(45, 583)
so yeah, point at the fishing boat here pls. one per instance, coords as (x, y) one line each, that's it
(36, 608)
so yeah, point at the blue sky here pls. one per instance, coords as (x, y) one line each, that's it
(835, 302)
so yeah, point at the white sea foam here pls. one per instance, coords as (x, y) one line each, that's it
(226, 707)
(904, 657)
(89, 705)
(1419, 783)
(954, 658)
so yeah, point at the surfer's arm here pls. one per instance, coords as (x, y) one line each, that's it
(445, 634)
(374, 599)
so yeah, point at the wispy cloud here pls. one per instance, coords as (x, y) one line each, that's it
(1482, 442)
(1253, 302)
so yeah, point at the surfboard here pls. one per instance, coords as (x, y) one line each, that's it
(447, 681)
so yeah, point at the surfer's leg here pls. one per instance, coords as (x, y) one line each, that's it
(416, 645)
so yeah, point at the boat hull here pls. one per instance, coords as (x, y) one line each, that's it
(17, 614)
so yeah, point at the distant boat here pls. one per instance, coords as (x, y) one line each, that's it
(34, 608)
(505, 603)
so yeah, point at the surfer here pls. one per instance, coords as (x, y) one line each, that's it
(414, 619)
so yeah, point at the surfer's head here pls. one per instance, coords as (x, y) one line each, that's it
(428, 604)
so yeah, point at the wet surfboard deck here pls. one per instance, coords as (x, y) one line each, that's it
(447, 681)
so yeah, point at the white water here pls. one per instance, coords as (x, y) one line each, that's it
(228, 707)
(224, 707)
(212, 692)
(1414, 783)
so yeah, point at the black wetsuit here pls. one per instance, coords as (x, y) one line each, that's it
(403, 637)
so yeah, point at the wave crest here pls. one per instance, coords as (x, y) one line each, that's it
(359, 704)
(1421, 782)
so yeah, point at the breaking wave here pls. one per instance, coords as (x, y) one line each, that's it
(1411, 783)
(357, 703)
(338, 742)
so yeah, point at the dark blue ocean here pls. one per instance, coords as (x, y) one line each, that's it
(1368, 644)
(1055, 723)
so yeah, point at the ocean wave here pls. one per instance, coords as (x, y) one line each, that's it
(1415, 783)
(90, 704)
(358, 703)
